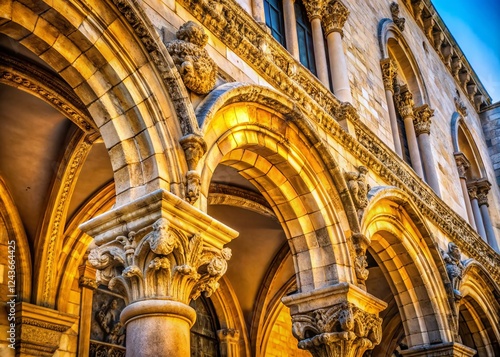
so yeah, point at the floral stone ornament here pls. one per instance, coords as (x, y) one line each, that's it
(197, 69)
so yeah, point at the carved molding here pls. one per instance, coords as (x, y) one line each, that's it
(422, 120)
(220, 194)
(389, 71)
(334, 17)
(197, 69)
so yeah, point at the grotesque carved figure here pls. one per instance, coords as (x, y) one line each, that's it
(454, 268)
(197, 69)
(358, 188)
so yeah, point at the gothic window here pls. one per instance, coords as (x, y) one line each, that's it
(204, 341)
(274, 19)
(107, 335)
(304, 36)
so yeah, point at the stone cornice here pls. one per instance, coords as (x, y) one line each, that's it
(427, 18)
(235, 27)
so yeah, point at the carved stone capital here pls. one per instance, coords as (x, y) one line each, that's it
(463, 164)
(472, 188)
(389, 71)
(339, 320)
(197, 69)
(39, 329)
(483, 187)
(404, 102)
(334, 17)
(422, 120)
(159, 247)
(314, 8)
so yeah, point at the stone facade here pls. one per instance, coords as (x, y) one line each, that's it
(173, 181)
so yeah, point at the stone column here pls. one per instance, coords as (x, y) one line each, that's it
(389, 71)
(423, 116)
(439, 350)
(340, 320)
(87, 284)
(160, 252)
(334, 18)
(229, 342)
(462, 167)
(314, 10)
(292, 43)
(404, 101)
(258, 11)
(483, 187)
(39, 329)
(472, 188)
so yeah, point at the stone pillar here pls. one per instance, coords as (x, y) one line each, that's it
(160, 252)
(404, 101)
(334, 18)
(483, 187)
(340, 320)
(439, 350)
(87, 284)
(39, 329)
(472, 188)
(389, 70)
(258, 11)
(462, 167)
(314, 10)
(292, 44)
(229, 342)
(423, 116)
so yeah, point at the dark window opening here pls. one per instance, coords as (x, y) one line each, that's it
(304, 37)
(275, 20)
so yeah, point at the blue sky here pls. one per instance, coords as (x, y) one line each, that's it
(475, 25)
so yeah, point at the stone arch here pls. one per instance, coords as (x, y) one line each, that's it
(135, 98)
(393, 45)
(15, 231)
(480, 309)
(403, 248)
(308, 194)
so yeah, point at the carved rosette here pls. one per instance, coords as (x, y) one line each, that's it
(342, 330)
(462, 164)
(159, 262)
(422, 121)
(454, 268)
(334, 17)
(404, 102)
(389, 71)
(197, 69)
(314, 9)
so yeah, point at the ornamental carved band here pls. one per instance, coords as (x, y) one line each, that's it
(334, 17)
(389, 71)
(342, 330)
(197, 69)
(159, 261)
(422, 122)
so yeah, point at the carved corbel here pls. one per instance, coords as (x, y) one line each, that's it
(456, 66)
(422, 121)
(418, 8)
(438, 37)
(358, 188)
(447, 53)
(454, 268)
(478, 100)
(194, 148)
(197, 69)
(399, 21)
(429, 23)
(360, 243)
(464, 77)
(460, 107)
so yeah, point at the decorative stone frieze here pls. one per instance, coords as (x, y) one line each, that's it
(463, 164)
(356, 182)
(39, 329)
(338, 320)
(422, 120)
(389, 71)
(399, 21)
(197, 69)
(404, 102)
(334, 17)
(160, 248)
(454, 268)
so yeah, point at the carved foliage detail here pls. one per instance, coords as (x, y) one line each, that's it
(159, 261)
(197, 69)
(342, 330)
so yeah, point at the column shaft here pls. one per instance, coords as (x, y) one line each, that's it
(258, 11)
(338, 67)
(292, 44)
(394, 122)
(413, 146)
(478, 218)
(319, 52)
(488, 227)
(468, 207)
(428, 162)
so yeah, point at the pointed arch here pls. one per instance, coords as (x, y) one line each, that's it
(403, 247)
